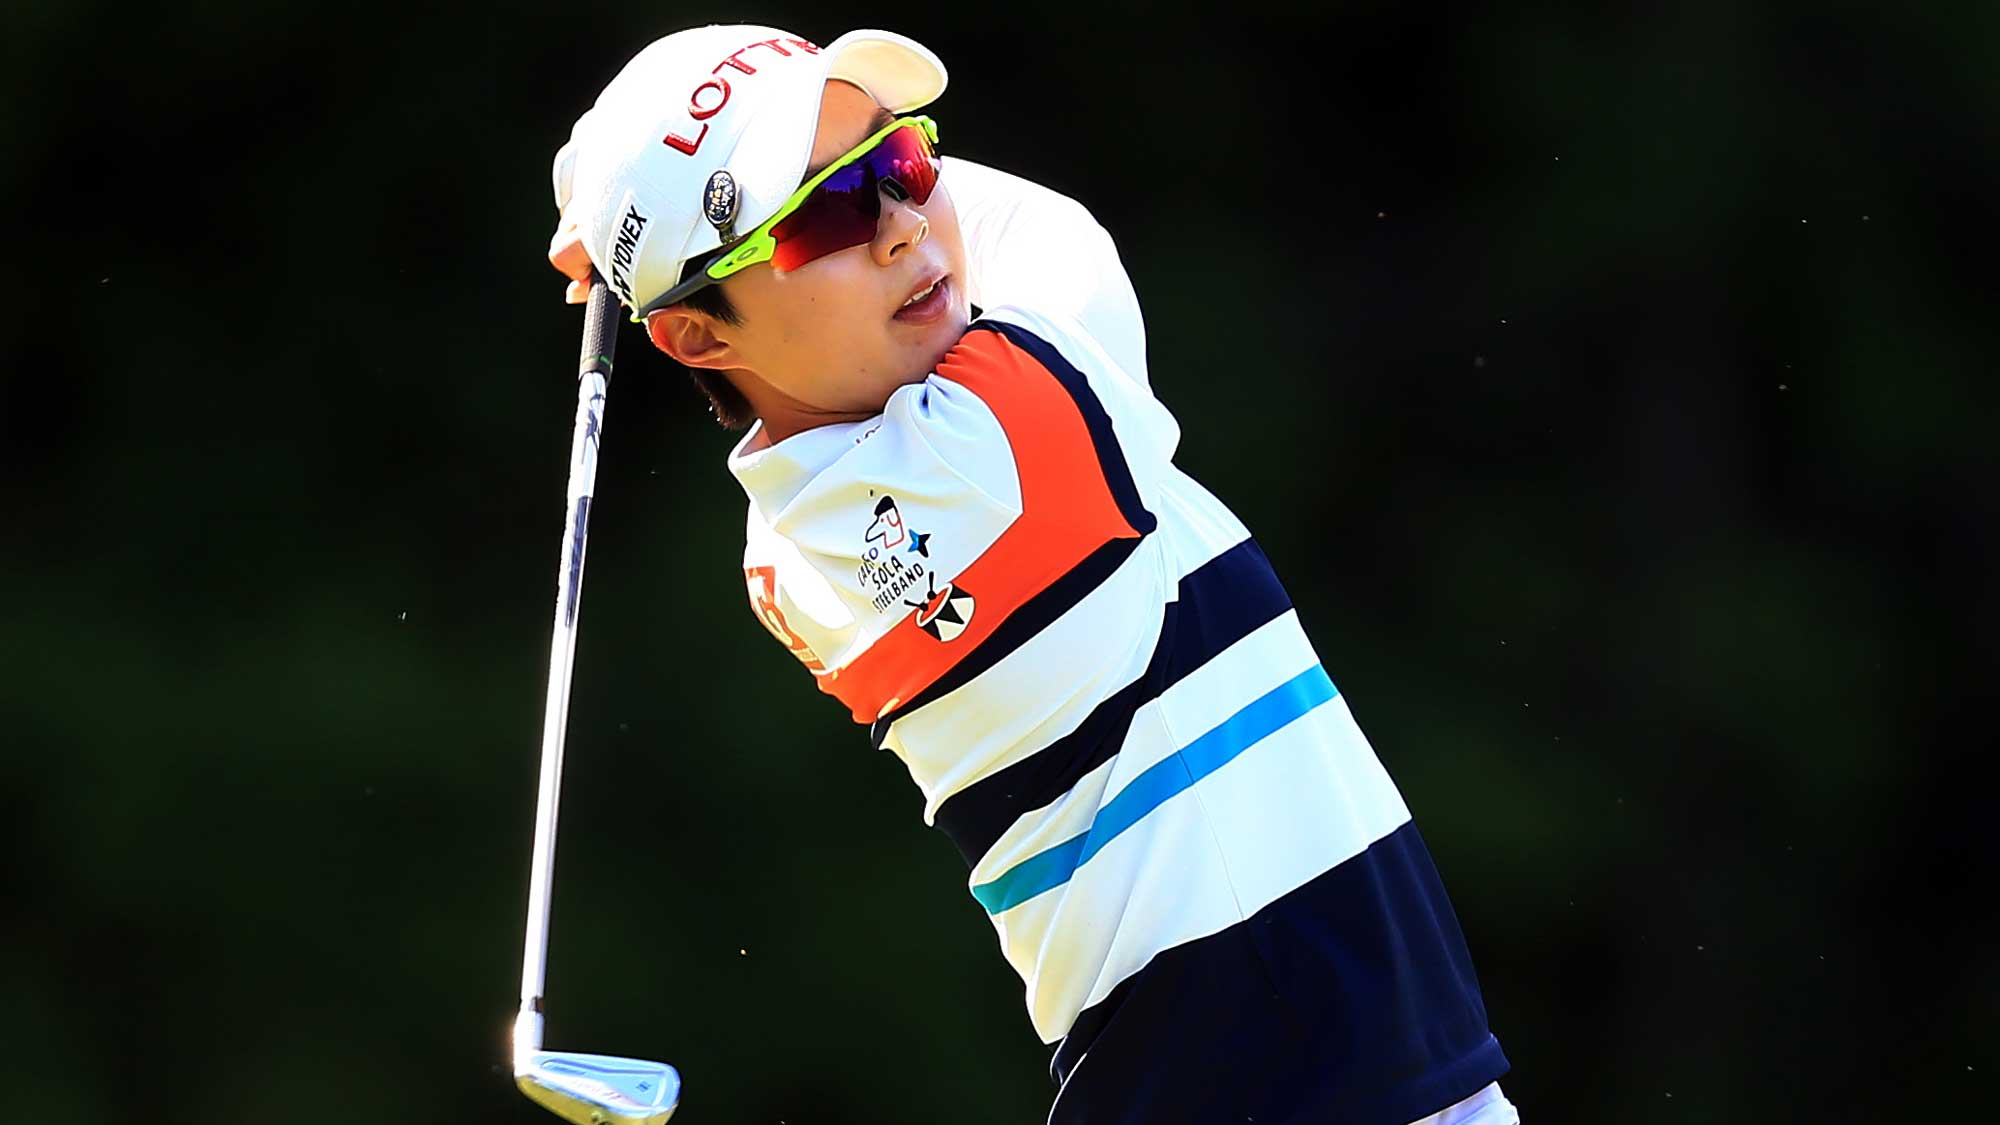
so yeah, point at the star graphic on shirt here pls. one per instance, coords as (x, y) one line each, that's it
(920, 542)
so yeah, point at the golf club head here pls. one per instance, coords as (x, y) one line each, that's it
(599, 1089)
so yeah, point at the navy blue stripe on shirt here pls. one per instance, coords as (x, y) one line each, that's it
(1035, 614)
(1218, 603)
(1350, 999)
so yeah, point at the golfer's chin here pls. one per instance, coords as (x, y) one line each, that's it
(914, 353)
(927, 344)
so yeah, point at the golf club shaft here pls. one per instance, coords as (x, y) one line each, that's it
(600, 328)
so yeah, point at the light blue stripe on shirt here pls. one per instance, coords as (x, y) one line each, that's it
(1051, 868)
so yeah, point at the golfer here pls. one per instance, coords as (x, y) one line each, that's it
(965, 522)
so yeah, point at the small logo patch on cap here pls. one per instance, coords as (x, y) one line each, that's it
(718, 203)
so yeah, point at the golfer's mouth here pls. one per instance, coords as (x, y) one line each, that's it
(927, 302)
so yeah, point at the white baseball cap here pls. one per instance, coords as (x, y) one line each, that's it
(705, 134)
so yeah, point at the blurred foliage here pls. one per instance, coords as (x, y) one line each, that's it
(1607, 384)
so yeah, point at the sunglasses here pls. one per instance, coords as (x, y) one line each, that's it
(834, 210)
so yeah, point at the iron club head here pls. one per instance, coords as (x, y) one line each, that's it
(599, 1089)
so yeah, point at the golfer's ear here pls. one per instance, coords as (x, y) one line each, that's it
(689, 337)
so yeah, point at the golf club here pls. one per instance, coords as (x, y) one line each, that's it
(580, 1088)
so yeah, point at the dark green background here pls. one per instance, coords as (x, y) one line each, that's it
(1612, 388)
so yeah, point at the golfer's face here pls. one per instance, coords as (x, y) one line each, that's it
(842, 332)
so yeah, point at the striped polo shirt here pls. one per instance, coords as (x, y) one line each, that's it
(1209, 885)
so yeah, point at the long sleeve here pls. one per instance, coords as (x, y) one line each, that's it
(890, 555)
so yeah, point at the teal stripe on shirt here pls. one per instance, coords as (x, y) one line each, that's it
(1268, 714)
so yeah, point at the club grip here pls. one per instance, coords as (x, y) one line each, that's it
(600, 329)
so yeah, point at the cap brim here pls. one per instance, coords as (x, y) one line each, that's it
(897, 71)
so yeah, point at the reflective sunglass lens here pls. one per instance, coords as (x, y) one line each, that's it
(843, 211)
(905, 158)
(838, 214)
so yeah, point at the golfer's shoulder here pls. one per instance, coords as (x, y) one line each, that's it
(1040, 252)
(1020, 397)
(1048, 377)
(1045, 218)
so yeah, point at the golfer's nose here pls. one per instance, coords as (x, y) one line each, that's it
(901, 227)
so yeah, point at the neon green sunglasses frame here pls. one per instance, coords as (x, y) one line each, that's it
(759, 245)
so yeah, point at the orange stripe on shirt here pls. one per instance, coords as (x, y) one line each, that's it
(1067, 511)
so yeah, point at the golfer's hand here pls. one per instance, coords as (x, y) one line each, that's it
(567, 255)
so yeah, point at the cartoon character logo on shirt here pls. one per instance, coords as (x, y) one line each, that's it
(888, 533)
(886, 571)
(945, 613)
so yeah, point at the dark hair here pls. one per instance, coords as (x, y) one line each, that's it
(731, 410)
